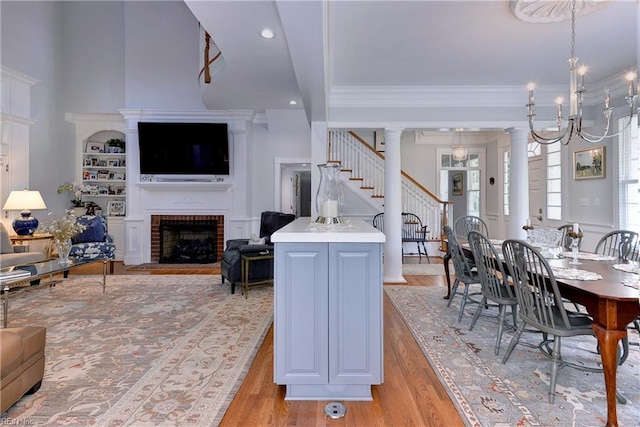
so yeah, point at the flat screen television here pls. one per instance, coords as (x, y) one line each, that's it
(183, 149)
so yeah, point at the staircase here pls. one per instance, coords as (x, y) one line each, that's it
(364, 170)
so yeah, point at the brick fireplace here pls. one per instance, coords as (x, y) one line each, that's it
(193, 226)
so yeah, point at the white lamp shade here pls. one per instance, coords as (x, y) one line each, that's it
(24, 200)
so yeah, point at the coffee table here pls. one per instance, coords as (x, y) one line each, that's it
(40, 270)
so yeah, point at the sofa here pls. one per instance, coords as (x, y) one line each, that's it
(12, 255)
(21, 363)
(230, 264)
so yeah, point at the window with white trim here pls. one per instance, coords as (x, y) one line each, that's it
(554, 181)
(506, 166)
(628, 174)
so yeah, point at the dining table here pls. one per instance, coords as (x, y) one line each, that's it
(612, 300)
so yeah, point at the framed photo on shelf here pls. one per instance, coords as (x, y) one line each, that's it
(113, 163)
(589, 163)
(457, 184)
(115, 208)
(94, 147)
(88, 161)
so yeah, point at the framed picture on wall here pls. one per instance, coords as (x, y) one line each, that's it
(457, 184)
(378, 137)
(589, 163)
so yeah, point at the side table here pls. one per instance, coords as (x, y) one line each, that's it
(246, 261)
(48, 248)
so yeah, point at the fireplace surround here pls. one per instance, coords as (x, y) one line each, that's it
(195, 230)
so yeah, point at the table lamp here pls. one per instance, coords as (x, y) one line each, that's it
(24, 201)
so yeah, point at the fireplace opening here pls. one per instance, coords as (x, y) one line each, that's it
(192, 241)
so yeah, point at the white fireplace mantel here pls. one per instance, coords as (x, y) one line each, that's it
(228, 196)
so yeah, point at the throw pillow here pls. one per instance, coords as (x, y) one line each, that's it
(94, 231)
(5, 242)
(255, 240)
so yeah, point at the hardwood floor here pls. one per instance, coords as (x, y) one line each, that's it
(411, 394)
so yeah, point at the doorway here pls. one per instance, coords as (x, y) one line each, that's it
(295, 188)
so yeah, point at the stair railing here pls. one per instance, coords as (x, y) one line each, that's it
(364, 163)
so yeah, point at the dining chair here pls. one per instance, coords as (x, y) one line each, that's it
(566, 241)
(494, 283)
(464, 224)
(622, 244)
(465, 270)
(540, 306)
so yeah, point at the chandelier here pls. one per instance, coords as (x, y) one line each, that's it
(576, 97)
(460, 150)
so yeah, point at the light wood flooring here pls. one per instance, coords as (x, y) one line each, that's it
(411, 394)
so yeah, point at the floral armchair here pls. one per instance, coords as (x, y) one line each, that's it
(95, 241)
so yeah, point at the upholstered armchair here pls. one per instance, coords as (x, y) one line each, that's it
(230, 263)
(94, 242)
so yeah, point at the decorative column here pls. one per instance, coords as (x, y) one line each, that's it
(518, 183)
(393, 207)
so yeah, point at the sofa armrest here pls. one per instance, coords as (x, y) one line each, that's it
(108, 238)
(255, 249)
(236, 243)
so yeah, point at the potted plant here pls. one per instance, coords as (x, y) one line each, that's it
(77, 191)
(63, 228)
(115, 145)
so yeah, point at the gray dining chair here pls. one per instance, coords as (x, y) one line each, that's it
(494, 283)
(464, 224)
(540, 307)
(464, 268)
(621, 244)
(566, 241)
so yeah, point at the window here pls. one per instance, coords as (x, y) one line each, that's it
(505, 189)
(628, 155)
(554, 181)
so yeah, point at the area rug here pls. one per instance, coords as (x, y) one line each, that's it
(423, 269)
(489, 393)
(152, 350)
(157, 266)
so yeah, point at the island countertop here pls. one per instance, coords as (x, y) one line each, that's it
(302, 230)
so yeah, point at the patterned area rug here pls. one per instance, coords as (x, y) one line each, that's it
(423, 269)
(152, 350)
(489, 393)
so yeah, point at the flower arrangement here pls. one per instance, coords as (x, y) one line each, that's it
(574, 234)
(76, 190)
(63, 227)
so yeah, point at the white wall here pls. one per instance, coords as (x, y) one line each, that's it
(100, 57)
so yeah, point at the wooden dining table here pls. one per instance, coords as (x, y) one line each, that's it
(611, 304)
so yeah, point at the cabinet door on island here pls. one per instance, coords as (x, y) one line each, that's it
(328, 319)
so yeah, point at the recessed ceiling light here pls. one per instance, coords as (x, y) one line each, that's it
(293, 102)
(267, 33)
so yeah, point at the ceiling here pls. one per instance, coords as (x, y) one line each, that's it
(326, 52)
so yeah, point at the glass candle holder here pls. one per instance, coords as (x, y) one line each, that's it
(329, 198)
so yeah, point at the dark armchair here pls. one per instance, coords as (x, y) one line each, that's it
(230, 263)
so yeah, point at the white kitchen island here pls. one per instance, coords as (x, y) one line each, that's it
(328, 310)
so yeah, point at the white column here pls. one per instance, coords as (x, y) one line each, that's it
(393, 207)
(518, 183)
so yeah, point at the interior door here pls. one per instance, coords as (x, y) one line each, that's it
(536, 191)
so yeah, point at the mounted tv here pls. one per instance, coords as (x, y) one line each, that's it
(183, 150)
